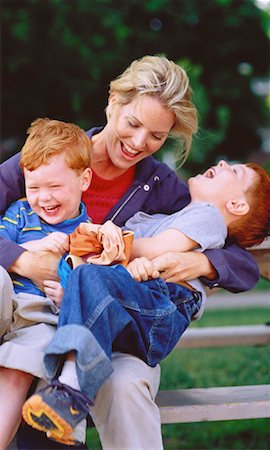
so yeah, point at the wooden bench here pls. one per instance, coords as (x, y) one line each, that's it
(221, 403)
(210, 404)
(225, 336)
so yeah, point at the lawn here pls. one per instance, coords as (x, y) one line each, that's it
(189, 368)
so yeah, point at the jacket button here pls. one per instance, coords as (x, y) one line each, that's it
(146, 187)
(156, 178)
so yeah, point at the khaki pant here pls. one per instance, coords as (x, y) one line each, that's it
(27, 325)
(125, 413)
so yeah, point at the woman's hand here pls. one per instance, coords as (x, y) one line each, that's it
(37, 266)
(54, 291)
(183, 266)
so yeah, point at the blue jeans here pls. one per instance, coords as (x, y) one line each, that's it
(105, 310)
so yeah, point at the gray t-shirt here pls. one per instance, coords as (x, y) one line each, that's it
(201, 222)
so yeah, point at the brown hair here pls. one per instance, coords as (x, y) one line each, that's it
(47, 137)
(252, 228)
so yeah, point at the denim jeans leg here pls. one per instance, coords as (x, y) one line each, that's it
(93, 316)
(104, 310)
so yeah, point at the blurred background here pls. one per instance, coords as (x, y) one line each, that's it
(58, 57)
(57, 60)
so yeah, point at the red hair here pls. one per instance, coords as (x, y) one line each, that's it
(49, 137)
(252, 228)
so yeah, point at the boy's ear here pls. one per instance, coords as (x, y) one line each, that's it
(86, 179)
(238, 207)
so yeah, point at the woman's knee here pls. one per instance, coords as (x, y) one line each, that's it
(131, 376)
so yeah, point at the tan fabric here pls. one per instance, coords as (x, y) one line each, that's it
(29, 323)
(6, 301)
(99, 244)
(130, 390)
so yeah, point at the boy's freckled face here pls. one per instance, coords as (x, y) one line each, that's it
(224, 182)
(54, 190)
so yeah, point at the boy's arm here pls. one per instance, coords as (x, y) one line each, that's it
(56, 242)
(171, 240)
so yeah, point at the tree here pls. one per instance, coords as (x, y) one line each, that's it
(59, 56)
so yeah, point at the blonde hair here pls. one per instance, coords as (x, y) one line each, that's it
(47, 137)
(156, 75)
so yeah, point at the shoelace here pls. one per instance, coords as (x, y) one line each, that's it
(81, 399)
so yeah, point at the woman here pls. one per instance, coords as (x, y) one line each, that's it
(147, 103)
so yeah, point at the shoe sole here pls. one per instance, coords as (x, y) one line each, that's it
(40, 416)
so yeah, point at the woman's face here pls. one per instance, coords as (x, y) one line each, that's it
(136, 130)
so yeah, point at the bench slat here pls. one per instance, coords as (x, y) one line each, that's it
(213, 404)
(225, 336)
(262, 255)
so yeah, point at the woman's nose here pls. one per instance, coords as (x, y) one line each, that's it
(139, 140)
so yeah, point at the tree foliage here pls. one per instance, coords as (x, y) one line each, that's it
(58, 57)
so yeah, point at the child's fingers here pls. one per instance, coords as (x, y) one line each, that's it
(54, 291)
(58, 241)
(141, 269)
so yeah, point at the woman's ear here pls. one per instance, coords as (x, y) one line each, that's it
(237, 207)
(86, 179)
(112, 98)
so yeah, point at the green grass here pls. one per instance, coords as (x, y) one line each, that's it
(190, 368)
(263, 284)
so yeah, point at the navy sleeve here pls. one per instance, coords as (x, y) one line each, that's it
(237, 269)
(9, 252)
(11, 182)
(11, 188)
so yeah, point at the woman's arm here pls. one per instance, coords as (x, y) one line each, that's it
(11, 182)
(37, 267)
(11, 188)
(231, 267)
(184, 266)
(237, 270)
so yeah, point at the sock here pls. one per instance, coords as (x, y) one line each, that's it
(79, 432)
(69, 375)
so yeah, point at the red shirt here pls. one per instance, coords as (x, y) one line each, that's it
(102, 194)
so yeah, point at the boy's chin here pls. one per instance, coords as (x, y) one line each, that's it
(52, 220)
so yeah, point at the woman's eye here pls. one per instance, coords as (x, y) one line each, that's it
(158, 138)
(132, 124)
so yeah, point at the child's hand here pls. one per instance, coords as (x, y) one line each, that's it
(141, 269)
(54, 291)
(56, 242)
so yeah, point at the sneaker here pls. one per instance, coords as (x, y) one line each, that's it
(57, 410)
